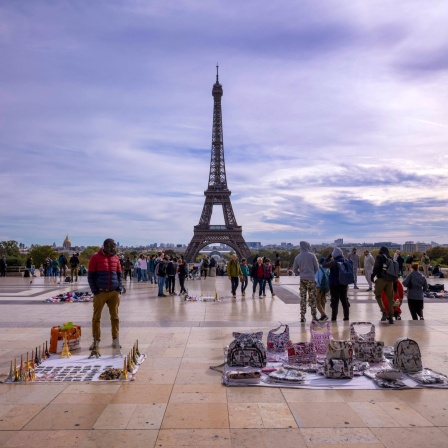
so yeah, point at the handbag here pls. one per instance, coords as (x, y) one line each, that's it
(246, 350)
(338, 368)
(320, 338)
(339, 349)
(364, 345)
(278, 342)
(302, 353)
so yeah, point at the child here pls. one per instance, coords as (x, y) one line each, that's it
(398, 299)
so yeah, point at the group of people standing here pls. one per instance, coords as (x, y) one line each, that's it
(388, 292)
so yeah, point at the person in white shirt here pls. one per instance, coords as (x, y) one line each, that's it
(369, 261)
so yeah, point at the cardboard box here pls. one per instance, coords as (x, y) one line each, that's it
(57, 339)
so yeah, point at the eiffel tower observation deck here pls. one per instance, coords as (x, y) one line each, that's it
(217, 193)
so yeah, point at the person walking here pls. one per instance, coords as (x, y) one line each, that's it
(203, 266)
(105, 281)
(369, 262)
(256, 276)
(416, 284)
(234, 273)
(338, 292)
(383, 284)
(171, 275)
(127, 266)
(278, 265)
(268, 275)
(398, 300)
(306, 265)
(245, 278)
(354, 257)
(408, 265)
(62, 266)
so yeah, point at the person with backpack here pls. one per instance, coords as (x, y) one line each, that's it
(369, 261)
(203, 267)
(416, 284)
(171, 270)
(340, 269)
(306, 265)
(323, 286)
(234, 273)
(62, 265)
(74, 263)
(398, 299)
(425, 264)
(384, 283)
(161, 274)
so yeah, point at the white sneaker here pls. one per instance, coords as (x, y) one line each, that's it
(92, 345)
(116, 343)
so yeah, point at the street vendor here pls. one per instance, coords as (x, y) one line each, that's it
(104, 276)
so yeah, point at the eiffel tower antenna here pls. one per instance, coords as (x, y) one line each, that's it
(217, 193)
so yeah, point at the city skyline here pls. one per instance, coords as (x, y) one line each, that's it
(334, 119)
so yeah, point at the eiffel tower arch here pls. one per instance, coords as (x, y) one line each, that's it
(217, 193)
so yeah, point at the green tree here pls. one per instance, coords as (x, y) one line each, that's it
(10, 249)
(438, 255)
(87, 253)
(40, 253)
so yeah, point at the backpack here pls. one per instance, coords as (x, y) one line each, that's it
(246, 350)
(438, 287)
(345, 268)
(391, 271)
(161, 269)
(325, 280)
(407, 356)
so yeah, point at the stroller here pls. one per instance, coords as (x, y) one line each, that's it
(194, 273)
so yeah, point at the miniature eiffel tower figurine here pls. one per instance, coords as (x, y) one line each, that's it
(16, 371)
(47, 353)
(136, 349)
(124, 374)
(10, 378)
(95, 349)
(65, 351)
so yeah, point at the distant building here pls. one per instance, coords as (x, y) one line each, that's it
(422, 247)
(67, 245)
(339, 242)
(409, 247)
(254, 245)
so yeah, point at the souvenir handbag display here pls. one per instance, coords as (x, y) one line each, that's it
(302, 353)
(364, 345)
(278, 342)
(247, 350)
(389, 374)
(339, 350)
(292, 376)
(338, 368)
(407, 356)
(320, 338)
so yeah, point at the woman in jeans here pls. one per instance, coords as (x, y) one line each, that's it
(416, 284)
(268, 274)
(244, 279)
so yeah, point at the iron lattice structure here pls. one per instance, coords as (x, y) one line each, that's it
(217, 193)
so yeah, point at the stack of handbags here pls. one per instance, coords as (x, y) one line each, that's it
(339, 361)
(320, 335)
(278, 342)
(302, 353)
(364, 344)
(247, 350)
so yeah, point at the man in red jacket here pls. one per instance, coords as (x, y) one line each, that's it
(104, 276)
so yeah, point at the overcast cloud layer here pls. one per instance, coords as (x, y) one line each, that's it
(335, 119)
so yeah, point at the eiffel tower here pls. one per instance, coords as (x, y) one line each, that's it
(217, 193)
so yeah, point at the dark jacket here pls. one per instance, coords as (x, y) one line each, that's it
(254, 271)
(104, 272)
(74, 261)
(379, 266)
(170, 269)
(334, 271)
(416, 284)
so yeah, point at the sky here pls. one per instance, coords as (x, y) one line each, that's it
(335, 119)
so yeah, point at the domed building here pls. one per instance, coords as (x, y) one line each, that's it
(67, 245)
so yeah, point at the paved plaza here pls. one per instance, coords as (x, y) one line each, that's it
(177, 401)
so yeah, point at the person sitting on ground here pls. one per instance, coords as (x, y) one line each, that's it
(416, 284)
(436, 272)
